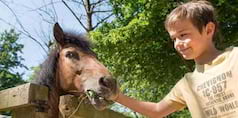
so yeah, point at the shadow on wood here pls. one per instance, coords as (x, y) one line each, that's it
(68, 105)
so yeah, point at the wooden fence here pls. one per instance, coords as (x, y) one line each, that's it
(29, 101)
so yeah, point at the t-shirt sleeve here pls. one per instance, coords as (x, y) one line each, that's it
(175, 97)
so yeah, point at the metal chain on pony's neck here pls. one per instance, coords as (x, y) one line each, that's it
(83, 98)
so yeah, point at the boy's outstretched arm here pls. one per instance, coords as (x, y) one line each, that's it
(150, 109)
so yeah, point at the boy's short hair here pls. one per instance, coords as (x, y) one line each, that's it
(198, 12)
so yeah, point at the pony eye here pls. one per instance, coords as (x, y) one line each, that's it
(72, 55)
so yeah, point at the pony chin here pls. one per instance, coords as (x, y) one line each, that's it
(100, 104)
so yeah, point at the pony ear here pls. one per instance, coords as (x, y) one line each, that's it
(58, 34)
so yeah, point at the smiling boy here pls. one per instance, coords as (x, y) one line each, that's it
(210, 91)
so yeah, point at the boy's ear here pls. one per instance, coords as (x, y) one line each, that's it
(210, 29)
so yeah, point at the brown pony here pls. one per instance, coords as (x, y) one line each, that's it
(72, 68)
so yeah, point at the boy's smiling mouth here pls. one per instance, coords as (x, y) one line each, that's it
(184, 50)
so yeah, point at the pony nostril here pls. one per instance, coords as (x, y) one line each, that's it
(104, 82)
(79, 72)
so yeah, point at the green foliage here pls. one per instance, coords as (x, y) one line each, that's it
(10, 59)
(227, 11)
(137, 49)
(34, 73)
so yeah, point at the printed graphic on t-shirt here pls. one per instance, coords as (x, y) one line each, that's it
(219, 100)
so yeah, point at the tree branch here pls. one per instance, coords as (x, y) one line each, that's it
(102, 11)
(78, 19)
(45, 5)
(75, 1)
(54, 9)
(95, 4)
(102, 20)
(25, 32)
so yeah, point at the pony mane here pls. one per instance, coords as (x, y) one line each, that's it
(80, 41)
(47, 74)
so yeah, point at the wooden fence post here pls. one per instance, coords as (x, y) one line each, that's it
(25, 101)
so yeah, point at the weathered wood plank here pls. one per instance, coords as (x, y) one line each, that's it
(28, 112)
(22, 96)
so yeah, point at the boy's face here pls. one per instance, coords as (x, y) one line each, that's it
(188, 41)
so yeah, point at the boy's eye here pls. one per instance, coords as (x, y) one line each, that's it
(72, 55)
(182, 35)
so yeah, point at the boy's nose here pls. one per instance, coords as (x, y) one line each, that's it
(178, 42)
